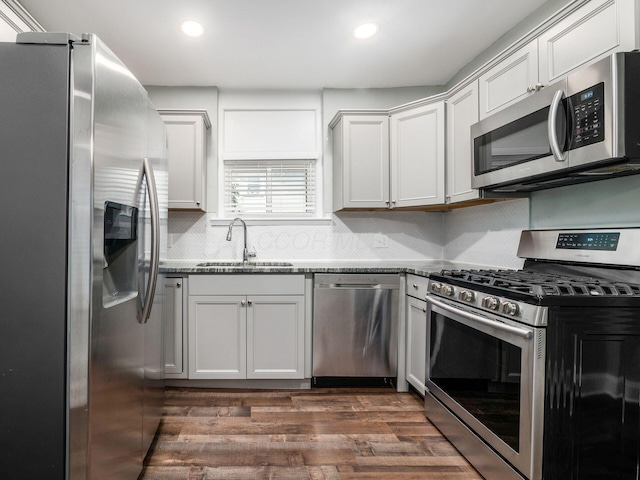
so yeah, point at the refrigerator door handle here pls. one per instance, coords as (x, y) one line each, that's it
(155, 240)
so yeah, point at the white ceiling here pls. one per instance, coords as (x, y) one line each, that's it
(289, 43)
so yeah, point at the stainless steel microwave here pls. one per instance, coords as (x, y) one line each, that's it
(585, 127)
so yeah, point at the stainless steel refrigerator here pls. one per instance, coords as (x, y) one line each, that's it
(83, 216)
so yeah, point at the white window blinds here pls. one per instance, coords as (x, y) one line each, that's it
(270, 187)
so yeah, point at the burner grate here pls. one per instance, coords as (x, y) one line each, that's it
(544, 284)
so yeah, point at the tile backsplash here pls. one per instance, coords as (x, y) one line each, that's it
(486, 235)
(349, 236)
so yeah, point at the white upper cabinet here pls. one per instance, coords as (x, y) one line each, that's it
(510, 80)
(361, 161)
(417, 156)
(187, 139)
(599, 28)
(389, 159)
(462, 112)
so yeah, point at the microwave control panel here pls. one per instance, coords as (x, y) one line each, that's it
(587, 108)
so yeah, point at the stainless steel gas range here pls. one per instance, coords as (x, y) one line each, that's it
(535, 373)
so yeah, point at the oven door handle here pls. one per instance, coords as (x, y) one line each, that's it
(521, 332)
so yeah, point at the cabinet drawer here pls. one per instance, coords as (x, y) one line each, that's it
(417, 286)
(246, 284)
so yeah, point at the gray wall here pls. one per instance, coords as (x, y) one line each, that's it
(529, 24)
(604, 203)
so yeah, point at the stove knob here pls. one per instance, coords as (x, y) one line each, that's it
(491, 303)
(467, 296)
(509, 308)
(448, 290)
(436, 287)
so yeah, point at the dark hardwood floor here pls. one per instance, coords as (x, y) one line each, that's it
(318, 434)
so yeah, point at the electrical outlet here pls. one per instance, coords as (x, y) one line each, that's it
(380, 241)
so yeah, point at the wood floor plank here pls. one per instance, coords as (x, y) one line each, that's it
(318, 434)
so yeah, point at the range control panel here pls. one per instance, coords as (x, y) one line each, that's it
(589, 241)
(605, 246)
(588, 118)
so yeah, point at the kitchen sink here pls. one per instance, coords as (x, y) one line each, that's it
(244, 264)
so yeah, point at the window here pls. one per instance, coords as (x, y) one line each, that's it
(261, 188)
(270, 156)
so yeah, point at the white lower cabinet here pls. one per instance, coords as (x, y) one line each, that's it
(275, 336)
(217, 337)
(416, 317)
(256, 335)
(175, 327)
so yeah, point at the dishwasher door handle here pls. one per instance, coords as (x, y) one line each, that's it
(360, 286)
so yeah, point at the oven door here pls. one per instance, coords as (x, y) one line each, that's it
(489, 372)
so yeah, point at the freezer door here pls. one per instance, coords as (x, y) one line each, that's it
(123, 134)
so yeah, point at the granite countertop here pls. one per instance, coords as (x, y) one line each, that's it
(417, 267)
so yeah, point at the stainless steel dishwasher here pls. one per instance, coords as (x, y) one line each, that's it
(355, 329)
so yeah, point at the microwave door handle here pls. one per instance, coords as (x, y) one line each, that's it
(558, 154)
(155, 240)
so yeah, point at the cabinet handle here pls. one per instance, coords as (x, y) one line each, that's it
(243, 303)
(415, 285)
(424, 310)
(178, 285)
(536, 88)
(250, 303)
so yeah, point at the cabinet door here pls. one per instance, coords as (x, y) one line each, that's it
(174, 329)
(217, 337)
(187, 158)
(365, 161)
(509, 81)
(599, 28)
(416, 342)
(417, 156)
(275, 336)
(462, 112)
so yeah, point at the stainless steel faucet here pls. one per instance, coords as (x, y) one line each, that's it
(245, 252)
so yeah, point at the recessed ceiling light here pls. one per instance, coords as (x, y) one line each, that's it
(366, 30)
(192, 29)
